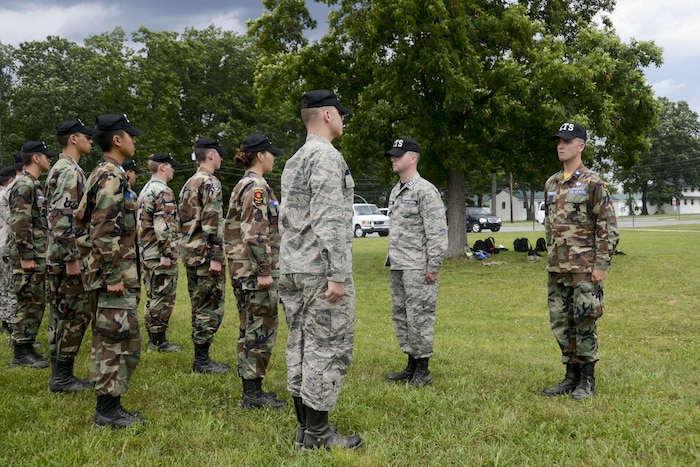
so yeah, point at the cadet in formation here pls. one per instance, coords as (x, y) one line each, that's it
(581, 234)
(417, 246)
(252, 246)
(316, 285)
(158, 237)
(28, 253)
(8, 299)
(69, 304)
(107, 227)
(202, 251)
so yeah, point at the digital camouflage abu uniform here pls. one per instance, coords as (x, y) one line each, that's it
(107, 216)
(252, 247)
(201, 230)
(69, 305)
(29, 227)
(581, 234)
(8, 299)
(158, 237)
(316, 247)
(417, 244)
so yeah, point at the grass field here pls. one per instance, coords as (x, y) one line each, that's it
(494, 353)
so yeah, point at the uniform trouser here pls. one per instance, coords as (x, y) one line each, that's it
(8, 299)
(413, 303)
(575, 303)
(207, 296)
(69, 313)
(160, 284)
(320, 340)
(257, 310)
(116, 342)
(31, 296)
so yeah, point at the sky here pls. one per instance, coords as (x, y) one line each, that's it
(673, 25)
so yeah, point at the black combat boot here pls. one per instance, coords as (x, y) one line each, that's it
(62, 378)
(204, 364)
(24, 356)
(406, 373)
(585, 387)
(319, 434)
(568, 384)
(300, 410)
(421, 377)
(109, 412)
(255, 398)
(159, 343)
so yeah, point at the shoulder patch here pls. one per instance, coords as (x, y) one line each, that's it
(258, 196)
(215, 188)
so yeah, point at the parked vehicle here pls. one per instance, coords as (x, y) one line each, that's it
(539, 215)
(479, 219)
(366, 219)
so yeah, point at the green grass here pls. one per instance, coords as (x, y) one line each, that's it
(494, 353)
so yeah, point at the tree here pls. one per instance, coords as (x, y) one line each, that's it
(6, 72)
(671, 163)
(480, 84)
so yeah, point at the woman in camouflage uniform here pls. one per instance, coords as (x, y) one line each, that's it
(252, 246)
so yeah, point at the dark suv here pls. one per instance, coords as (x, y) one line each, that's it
(479, 219)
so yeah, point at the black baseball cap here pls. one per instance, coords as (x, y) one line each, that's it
(258, 143)
(210, 143)
(129, 164)
(323, 98)
(32, 147)
(401, 146)
(164, 157)
(8, 171)
(569, 131)
(115, 122)
(73, 126)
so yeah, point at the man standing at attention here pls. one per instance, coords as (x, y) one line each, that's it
(581, 234)
(316, 284)
(69, 307)
(8, 299)
(107, 222)
(158, 236)
(28, 252)
(202, 251)
(417, 245)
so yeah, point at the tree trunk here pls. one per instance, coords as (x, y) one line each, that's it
(457, 226)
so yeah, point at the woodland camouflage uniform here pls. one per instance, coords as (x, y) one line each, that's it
(107, 218)
(252, 247)
(8, 299)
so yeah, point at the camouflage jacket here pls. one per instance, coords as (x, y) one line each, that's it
(580, 224)
(64, 189)
(201, 220)
(250, 230)
(28, 221)
(418, 232)
(157, 221)
(106, 225)
(317, 195)
(5, 220)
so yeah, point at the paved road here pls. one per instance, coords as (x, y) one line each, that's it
(624, 223)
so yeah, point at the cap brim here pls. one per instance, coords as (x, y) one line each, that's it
(395, 152)
(88, 131)
(51, 154)
(275, 151)
(133, 131)
(562, 135)
(343, 110)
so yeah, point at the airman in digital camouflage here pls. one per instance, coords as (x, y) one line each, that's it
(69, 304)
(158, 238)
(8, 299)
(202, 251)
(252, 246)
(106, 221)
(417, 246)
(581, 234)
(316, 285)
(28, 253)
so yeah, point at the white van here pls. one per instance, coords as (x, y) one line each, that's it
(539, 215)
(367, 219)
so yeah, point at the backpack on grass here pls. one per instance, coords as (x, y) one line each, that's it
(541, 245)
(522, 245)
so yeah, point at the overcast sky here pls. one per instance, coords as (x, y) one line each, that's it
(671, 24)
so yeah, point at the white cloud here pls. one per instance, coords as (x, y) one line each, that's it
(667, 87)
